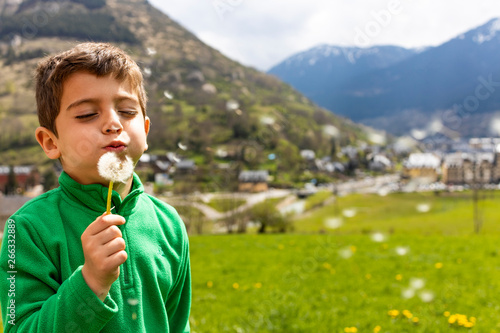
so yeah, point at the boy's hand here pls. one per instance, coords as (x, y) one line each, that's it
(103, 248)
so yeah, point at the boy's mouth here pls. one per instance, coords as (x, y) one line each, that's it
(115, 146)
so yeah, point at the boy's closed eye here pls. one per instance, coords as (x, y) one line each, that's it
(128, 113)
(86, 116)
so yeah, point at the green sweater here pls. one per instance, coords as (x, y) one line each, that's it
(42, 287)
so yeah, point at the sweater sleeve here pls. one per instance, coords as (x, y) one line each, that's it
(179, 300)
(32, 296)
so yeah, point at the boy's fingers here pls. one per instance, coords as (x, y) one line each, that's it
(107, 235)
(114, 246)
(105, 221)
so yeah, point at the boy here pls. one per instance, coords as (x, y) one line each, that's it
(65, 265)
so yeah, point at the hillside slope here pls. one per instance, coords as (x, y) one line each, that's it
(198, 97)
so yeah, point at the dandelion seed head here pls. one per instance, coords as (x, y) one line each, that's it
(113, 168)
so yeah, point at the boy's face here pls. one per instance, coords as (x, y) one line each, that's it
(97, 115)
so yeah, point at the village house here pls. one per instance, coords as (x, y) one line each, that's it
(26, 177)
(253, 181)
(422, 166)
(470, 168)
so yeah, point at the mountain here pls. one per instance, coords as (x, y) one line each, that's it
(452, 87)
(321, 72)
(197, 97)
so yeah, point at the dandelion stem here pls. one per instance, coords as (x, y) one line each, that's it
(110, 191)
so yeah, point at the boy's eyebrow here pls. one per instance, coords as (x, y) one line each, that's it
(96, 101)
(82, 101)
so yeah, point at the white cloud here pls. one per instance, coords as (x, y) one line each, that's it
(262, 33)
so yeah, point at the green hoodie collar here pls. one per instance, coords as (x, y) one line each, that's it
(94, 196)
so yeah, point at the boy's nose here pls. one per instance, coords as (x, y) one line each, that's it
(113, 124)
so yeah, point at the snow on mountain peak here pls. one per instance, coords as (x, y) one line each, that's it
(489, 34)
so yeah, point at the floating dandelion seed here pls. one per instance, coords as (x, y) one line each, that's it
(232, 105)
(418, 134)
(377, 138)
(417, 283)
(168, 94)
(334, 223)
(133, 301)
(408, 293)
(147, 72)
(423, 207)
(182, 146)
(350, 212)
(495, 126)
(402, 251)
(266, 120)
(378, 237)
(331, 131)
(114, 169)
(151, 51)
(346, 252)
(426, 296)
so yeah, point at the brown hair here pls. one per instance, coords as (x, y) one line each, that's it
(101, 59)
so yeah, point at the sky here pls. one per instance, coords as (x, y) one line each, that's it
(262, 33)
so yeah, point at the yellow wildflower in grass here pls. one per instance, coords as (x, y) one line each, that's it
(399, 277)
(393, 313)
(327, 266)
(353, 248)
(258, 285)
(210, 284)
(377, 329)
(350, 330)
(368, 276)
(236, 285)
(460, 320)
(407, 314)
(447, 314)
(438, 265)
(415, 320)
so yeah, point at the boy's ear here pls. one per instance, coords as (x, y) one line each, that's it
(147, 125)
(48, 140)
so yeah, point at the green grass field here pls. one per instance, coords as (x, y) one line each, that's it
(399, 263)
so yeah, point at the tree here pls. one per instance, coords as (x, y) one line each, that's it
(268, 216)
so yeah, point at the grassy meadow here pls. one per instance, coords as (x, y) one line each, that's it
(367, 263)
